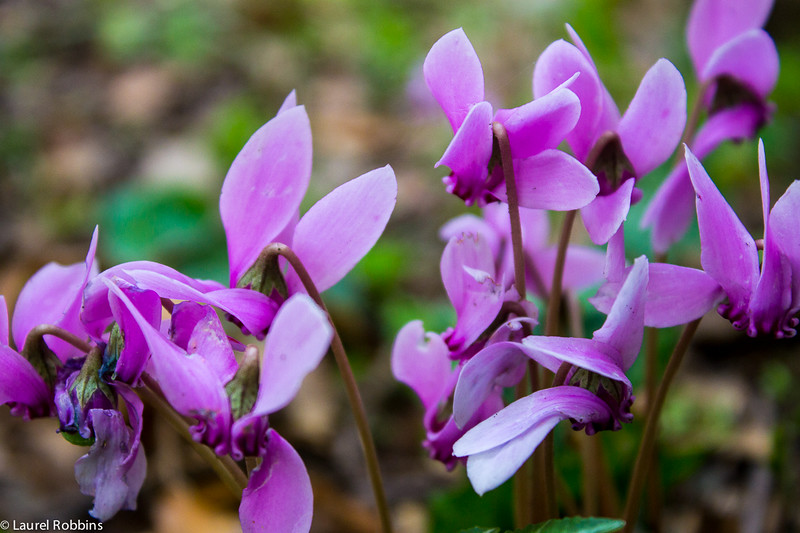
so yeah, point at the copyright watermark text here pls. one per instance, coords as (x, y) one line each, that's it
(51, 525)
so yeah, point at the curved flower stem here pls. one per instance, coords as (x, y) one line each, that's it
(642, 464)
(225, 467)
(552, 319)
(507, 163)
(56, 331)
(353, 395)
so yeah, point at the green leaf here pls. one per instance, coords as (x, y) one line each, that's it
(575, 524)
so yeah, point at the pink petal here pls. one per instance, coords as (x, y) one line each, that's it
(750, 58)
(552, 180)
(591, 354)
(728, 252)
(605, 214)
(783, 232)
(454, 75)
(278, 495)
(470, 250)
(208, 339)
(297, 341)
(420, 360)
(289, 102)
(4, 334)
(653, 124)
(583, 267)
(475, 225)
(21, 386)
(541, 124)
(134, 354)
(342, 227)
(469, 152)
(264, 187)
(712, 23)
(555, 65)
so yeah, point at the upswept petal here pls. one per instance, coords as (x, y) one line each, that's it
(480, 375)
(605, 214)
(297, 341)
(560, 61)
(591, 354)
(5, 339)
(482, 300)
(728, 252)
(499, 445)
(474, 224)
(134, 354)
(264, 187)
(342, 227)
(278, 495)
(712, 23)
(254, 309)
(21, 386)
(652, 126)
(53, 295)
(541, 124)
(464, 250)
(583, 267)
(624, 325)
(751, 58)
(420, 360)
(289, 102)
(454, 75)
(469, 152)
(783, 232)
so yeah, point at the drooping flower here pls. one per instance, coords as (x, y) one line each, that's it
(619, 150)
(583, 265)
(597, 394)
(759, 300)
(546, 178)
(425, 361)
(736, 63)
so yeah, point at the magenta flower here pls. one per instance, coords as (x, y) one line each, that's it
(424, 361)
(619, 150)
(597, 395)
(197, 382)
(583, 267)
(261, 196)
(736, 63)
(546, 178)
(763, 300)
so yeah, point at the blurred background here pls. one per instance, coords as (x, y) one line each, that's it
(127, 114)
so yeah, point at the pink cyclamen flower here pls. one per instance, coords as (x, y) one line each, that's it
(763, 300)
(736, 62)
(597, 394)
(546, 178)
(619, 150)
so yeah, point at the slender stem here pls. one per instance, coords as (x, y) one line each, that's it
(225, 467)
(48, 329)
(551, 324)
(513, 207)
(523, 479)
(353, 395)
(651, 425)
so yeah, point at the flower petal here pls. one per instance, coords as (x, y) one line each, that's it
(264, 187)
(278, 495)
(454, 75)
(197, 329)
(652, 126)
(605, 214)
(469, 152)
(420, 360)
(712, 23)
(591, 354)
(342, 227)
(728, 251)
(297, 341)
(21, 386)
(481, 375)
(541, 124)
(750, 58)
(783, 231)
(134, 354)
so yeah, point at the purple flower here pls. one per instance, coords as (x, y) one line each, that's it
(763, 300)
(619, 150)
(597, 396)
(260, 203)
(424, 361)
(737, 65)
(583, 267)
(546, 178)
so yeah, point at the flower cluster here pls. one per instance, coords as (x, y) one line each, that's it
(91, 345)
(492, 261)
